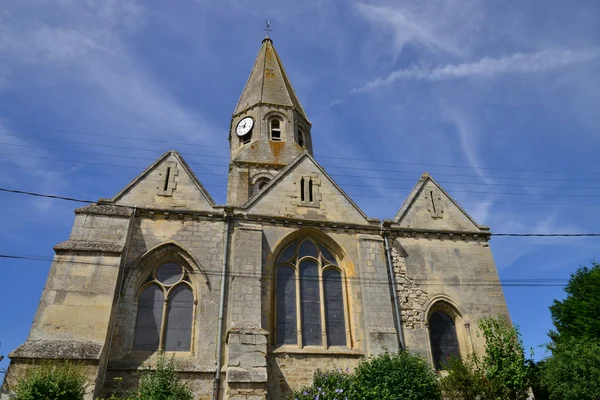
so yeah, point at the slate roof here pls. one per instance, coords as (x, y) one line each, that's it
(268, 83)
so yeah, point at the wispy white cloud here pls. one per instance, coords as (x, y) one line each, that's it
(515, 63)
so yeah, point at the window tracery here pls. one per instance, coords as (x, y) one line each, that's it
(165, 311)
(310, 295)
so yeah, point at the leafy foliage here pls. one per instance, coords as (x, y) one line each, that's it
(160, 382)
(573, 371)
(504, 360)
(465, 380)
(577, 315)
(501, 374)
(385, 377)
(329, 385)
(400, 376)
(52, 381)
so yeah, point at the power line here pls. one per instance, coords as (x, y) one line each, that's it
(493, 234)
(332, 174)
(324, 166)
(350, 194)
(360, 185)
(529, 282)
(96, 135)
(49, 196)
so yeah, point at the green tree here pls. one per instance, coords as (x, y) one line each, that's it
(504, 360)
(52, 381)
(401, 376)
(578, 315)
(573, 370)
(502, 373)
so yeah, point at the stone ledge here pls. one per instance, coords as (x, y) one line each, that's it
(105, 209)
(180, 366)
(317, 352)
(84, 245)
(58, 349)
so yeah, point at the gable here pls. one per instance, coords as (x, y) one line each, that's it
(167, 183)
(429, 207)
(283, 196)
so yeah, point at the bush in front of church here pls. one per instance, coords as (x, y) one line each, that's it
(327, 385)
(393, 377)
(385, 377)
(52, 381)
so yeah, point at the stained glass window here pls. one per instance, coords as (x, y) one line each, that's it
(444, 341)
(321, 296)
(173, 331)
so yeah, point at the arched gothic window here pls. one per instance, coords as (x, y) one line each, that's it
(165, 311)
(309, 295)
(443, 337)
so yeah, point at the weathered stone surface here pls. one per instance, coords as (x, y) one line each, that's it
(105, 209)
(84, 245)
(246, 375)
(58, 349)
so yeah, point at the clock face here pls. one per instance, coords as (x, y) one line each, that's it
(244, 126)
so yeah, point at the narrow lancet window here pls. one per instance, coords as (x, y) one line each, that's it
(302, 190)
(334, 308)
(311, 304)
(310, 190)
(300, 137)
(286, 306)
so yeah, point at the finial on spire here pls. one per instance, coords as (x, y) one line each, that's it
(268, 28)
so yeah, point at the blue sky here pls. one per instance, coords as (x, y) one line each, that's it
(507, 91)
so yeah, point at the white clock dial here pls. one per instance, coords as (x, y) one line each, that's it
(244, 126)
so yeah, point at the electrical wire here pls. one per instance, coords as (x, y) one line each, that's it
(529, 282)
(97, 134)
(22, 192)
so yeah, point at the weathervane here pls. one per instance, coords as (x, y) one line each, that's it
(268, 28)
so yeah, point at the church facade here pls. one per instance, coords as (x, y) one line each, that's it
(252, 297)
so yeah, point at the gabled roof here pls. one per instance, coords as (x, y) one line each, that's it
(289, 169)
(268, 83)
(417, 193)
(153, 166)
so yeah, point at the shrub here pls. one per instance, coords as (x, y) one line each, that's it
(331, 385)
(394, 377)
(161, 383)
(464, 380)
(501, 374)
(52, 381)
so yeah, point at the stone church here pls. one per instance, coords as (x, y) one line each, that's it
(251, 297)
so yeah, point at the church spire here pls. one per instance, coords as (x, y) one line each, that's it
(268, 83)
(269, 128)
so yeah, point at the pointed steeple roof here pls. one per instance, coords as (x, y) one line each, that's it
(268, 83)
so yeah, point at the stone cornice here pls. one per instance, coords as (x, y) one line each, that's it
(58, 349)
(105, 209)
(84, 245)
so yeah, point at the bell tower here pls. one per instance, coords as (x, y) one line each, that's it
(268, 128)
